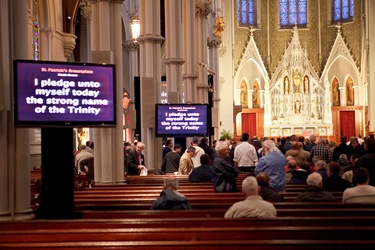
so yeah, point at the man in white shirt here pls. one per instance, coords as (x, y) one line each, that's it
(253, 205)
(245, 155)
(198, 152)
(363, 192)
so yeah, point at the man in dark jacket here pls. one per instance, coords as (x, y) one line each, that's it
(170, 198)
(367, 160)
(223, 173)
(135, 160)
(267, 193)
(203, 172)
(207, 149)
(334, 182)
(342, 148)
(314, 192)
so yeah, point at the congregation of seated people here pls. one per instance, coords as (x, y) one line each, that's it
(292, 160)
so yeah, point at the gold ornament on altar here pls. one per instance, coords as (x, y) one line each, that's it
(296, 80)
(219, 26)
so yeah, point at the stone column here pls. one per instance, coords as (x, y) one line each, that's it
(106, 38)
(173, 60)
(356, 95)
(261, 100)
(370, 14)
(133, 48)
(202, 9)
(189, 51)
(342, 96)
(250, 98)
(118, 167)
(213, 46)
(15, 163)
(150, 72)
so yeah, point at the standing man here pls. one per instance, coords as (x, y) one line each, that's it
(198, 152)
(171, 160)
(167, 147)
(245, 155)
(272, 163)
(135, 160)
(186, 162)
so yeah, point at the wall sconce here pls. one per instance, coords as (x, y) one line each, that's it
(135, 28)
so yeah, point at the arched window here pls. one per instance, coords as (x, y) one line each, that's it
(343, 10)
(246, 13)
(293, 12)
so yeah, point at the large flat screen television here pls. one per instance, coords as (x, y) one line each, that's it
(174, 120)
(48, 93)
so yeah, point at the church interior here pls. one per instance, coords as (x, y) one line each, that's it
(271, 68)
(266, 67)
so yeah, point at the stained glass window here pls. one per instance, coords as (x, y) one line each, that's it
(293, 12)
(246, 12)
(343, 10)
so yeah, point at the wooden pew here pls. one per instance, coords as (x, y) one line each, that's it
(354, 221)
(190, 233)
(295, 244)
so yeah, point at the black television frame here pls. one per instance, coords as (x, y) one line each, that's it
(51, 121)
(182, 133)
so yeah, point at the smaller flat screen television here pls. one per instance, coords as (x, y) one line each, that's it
(174, 120)
(54, 94)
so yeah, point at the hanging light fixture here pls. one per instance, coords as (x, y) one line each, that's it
(135, 27)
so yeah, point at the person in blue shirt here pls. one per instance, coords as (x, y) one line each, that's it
(272, 163)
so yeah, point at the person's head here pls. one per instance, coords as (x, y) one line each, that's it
(90, 144)
(169, 143)
(139, 147)
(292, 164)
(263, 179)
(343, 139)
(314, 179)
(204, 140)
(195, 140)
(170, 183)
(191, 151)
(295, 145)
(353, 158)
(222, 148)
(269, 146)
(361, 176)
(332, 144)
(321, 141)
(177, 148)
(313, 138)
(293, 138)
(301, 139)
(127, 150)
(354, 142)
(333, 168)
(370, 144)
(205, 159)
(250, 186)
(282, 140)
(245, 137)
(305, 165)
(320, 165)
